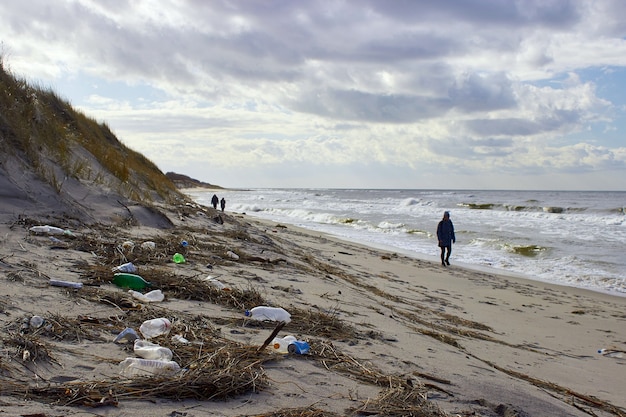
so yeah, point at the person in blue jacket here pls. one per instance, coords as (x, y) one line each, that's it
(445, 235)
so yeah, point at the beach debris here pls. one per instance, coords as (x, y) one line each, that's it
(281, 344)
(69, 284)
(127, 267)
(232, 255)
(262, 313)
(154, 296)
(132, 281)
(128, 245)
(50, 230)
(612, 352)
(299, 347)
(148, 245)
(131, 367)
(127, 335)
(36, 322)
(155, 327)
(179, 338)
(184, 243)
(178, 258)
(214, 282)
(148, 350)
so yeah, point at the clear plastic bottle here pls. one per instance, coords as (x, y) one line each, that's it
(214, 282)
(127, 335)
(155, 327)
(148, 367)
(281, 344)
(153, 296)
(148, 350)
(51, 230)
(68, 284)
(127, 267)
(262, 313)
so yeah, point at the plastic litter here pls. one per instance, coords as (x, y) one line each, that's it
(127, 267)
(148, 245)
(153, 296)
(299, 347)
(127, 335)
(611, 353)
(149, 350)
(148, 367)
(178, 338)
(232, 255)
(50, 230)
(132, 281)
(281, 344)
(69, 284)
(178, 258)
(155, 327)
(262, 313)
(36, 322)
(214, 282)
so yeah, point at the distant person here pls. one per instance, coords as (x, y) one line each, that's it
(445, 235)
(223, 203)
(214, 201)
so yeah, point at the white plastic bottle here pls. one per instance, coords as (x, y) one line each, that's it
(281, 344)
(611, 353)
(214, 282)
(262, 313)
(149, 350)
(148, 367)
(155, 327)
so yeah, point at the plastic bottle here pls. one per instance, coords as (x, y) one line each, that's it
(155, 327)
(153, 296)
(69, 284)
(178, 258)
(216, 283)
(299, 347)
(132, 281)
(232, 255)
(179, 338)
(127, 335)
(148, 367)
(51, 230)
(149, 350)
(262, 313)
(611, 353)
(127, 267)
(281, 344)
(36, 322)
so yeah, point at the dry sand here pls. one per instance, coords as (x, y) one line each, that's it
(474, 342)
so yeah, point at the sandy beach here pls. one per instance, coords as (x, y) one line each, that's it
(389, 334)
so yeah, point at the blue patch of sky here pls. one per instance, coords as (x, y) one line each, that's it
(78, 88)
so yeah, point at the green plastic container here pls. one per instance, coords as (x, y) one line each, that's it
(132, 281)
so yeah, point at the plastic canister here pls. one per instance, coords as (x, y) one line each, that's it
(149, 350)
(153, 296)
(155, 327)
(281, 344)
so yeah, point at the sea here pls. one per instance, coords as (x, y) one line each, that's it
(570, 238)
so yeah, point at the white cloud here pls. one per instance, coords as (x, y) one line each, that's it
(407, 89)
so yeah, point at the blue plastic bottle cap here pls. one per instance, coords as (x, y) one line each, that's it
(184, 243)
(247, 313)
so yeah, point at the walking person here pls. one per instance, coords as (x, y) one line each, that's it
(214, 201)
(223, 204)
(445, 235)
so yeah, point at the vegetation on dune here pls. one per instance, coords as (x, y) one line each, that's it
(57, 142)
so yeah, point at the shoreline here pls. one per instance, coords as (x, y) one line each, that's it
(470, 342)
(435, 260)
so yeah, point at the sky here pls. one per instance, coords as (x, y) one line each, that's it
(424, 94)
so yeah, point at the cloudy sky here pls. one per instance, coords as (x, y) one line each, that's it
(513, 94)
